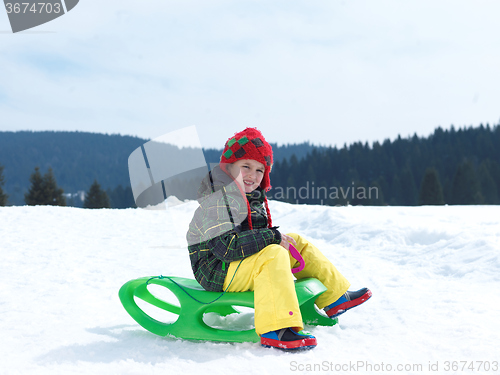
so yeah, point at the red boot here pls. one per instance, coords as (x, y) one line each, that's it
(347, 301)
(287, 339)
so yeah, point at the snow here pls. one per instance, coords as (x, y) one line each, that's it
(434, 273)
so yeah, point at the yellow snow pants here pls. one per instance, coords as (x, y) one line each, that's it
(268, 274)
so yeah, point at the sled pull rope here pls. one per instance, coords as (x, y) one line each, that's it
(185, 291)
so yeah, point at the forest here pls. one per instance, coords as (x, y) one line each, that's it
(463, 163)
(451, 166)
(76, 158)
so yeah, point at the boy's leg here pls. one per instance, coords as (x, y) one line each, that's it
(319, 267)
(268, 274)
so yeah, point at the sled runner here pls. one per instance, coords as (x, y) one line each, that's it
(196, 301)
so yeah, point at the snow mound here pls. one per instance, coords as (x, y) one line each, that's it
(433, 271)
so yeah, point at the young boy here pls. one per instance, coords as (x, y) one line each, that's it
(233, 246)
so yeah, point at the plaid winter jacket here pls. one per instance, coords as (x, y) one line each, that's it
(219, 232)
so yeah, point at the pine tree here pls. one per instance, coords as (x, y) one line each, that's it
(290, 190)
(397, 192)
(36, 194)
(44, 190)
(384, 188)
(376, 194)
(488, 185)
(447, 189)
(121, 197)
(494, 169)
(358, 196)
(3, 196)
(431, 192)
(409, 189)
(465, 187)
(54, 194)
(96, 197)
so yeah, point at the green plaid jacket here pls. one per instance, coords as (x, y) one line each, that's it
(219, 232)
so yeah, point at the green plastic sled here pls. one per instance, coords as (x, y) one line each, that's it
(190, 325)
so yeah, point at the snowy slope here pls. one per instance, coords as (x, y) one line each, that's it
(434, 273)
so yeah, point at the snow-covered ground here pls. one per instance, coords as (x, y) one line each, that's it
(434, 273)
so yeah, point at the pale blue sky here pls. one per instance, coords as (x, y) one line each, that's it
(328, 72)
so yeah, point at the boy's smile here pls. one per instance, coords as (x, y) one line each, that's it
(249, 173)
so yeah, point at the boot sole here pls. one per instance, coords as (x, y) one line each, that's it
(304, 344)
(342, 308)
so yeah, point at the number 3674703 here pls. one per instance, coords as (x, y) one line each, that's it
(33, 8)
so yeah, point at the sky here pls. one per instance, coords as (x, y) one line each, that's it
(327, 72)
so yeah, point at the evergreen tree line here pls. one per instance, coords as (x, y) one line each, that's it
(449, 167)
(44, 190)
(3, 196)
(79, 158)
(76, 158)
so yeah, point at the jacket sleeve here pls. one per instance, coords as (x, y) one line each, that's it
(233, 246)
(222, 211)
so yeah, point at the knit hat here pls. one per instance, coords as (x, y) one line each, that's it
(251, 144)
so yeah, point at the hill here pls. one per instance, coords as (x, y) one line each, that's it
(433, 272)
(79, 158)
(464, 163)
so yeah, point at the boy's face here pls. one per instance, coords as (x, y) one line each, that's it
(249, 173)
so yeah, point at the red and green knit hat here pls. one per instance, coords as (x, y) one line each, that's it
(250, 144)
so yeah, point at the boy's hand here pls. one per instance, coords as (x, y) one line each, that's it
(286, 240)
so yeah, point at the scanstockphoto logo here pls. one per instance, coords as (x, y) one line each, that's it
(25, 15)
